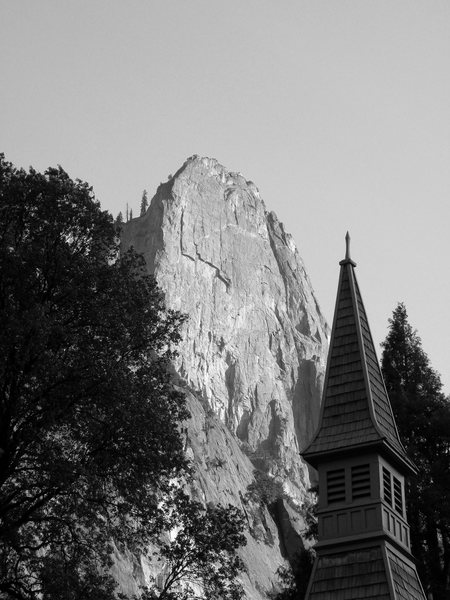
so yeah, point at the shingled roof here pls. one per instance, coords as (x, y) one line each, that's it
(355, 410)
(406, 582)
(351, 576)
(362, 574)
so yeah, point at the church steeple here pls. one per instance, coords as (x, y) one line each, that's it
(363, 549)
(356, 411)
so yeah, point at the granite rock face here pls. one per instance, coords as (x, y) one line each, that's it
(253, 353)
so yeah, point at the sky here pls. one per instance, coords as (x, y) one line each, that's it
(338, 110)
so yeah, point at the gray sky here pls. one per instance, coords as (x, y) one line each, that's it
(338, 110)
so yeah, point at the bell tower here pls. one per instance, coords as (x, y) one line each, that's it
(363, 548)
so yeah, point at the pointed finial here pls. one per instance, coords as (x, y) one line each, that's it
(347, 246)
(347, 259)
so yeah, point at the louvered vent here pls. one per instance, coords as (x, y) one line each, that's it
(336, 486)
(398, 500)
(360, 481)
(387, 486)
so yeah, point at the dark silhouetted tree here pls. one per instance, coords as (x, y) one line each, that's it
(118, 223)
(294, 579)
(201, 561)
(88, 411)
(423, 418)
(144, 203)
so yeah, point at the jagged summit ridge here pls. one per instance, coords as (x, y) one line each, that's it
(229, 178)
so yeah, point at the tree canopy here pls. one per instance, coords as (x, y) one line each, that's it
(88, 411)
(200, 560)
(422, 413)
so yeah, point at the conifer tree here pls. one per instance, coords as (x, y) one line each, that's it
(131, 213)
(423, 417)
(144, 203)
(118, 222)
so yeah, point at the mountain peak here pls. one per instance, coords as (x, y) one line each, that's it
(253, 348)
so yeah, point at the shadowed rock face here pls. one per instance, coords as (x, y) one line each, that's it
(254, 347)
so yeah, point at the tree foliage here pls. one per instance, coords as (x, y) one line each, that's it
(119, 220)
(144, 203)
(422, 413)
(264, 489)
(201, 561)
(88, 411)
(294, 578)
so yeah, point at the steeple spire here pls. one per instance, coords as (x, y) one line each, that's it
(355, 410)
